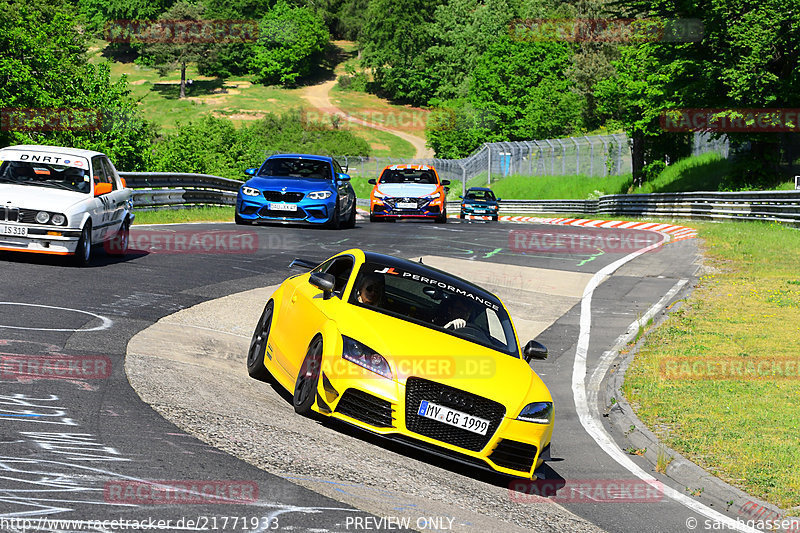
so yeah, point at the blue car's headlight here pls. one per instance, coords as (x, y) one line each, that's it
(537, 412)
(319, 195)
(365, 357)
(250, 191)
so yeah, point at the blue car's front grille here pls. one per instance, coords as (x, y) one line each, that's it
(278, 196)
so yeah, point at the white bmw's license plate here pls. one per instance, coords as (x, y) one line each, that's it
(453, 417)
(20, 231)
(407, 205)
(282, 207)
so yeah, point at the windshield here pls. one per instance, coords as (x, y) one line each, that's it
(45, 175)
(284, 167)
(481, 196)
(452, 307)
(408, 176)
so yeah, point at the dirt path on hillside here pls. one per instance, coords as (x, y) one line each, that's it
(319, 97)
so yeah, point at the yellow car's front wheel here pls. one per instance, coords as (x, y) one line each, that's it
(258, 345)
(305, 389)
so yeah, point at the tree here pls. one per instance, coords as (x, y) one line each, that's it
(177, 38)
(45, 74)
(291, 42)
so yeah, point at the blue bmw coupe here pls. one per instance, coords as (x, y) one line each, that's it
(297, 188)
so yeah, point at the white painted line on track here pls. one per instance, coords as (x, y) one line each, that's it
(590, 419)
(107, 322)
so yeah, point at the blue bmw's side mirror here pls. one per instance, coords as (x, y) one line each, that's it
(250, 171)
(342, 177)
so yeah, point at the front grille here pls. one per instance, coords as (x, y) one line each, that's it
(278, 196)
(366, 408)
(267, 212)
(15, 214)
(418, 389)
(514, 455)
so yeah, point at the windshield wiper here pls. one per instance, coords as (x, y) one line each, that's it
(53, 184)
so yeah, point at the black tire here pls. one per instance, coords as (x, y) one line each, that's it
(239, 220)
(334, 222)
(118, 246)
(461, 216)
(305, 388)
(373, 218)
(442, 219)
(494, 218)
(258, 345)
(351, 220)
(83, 252)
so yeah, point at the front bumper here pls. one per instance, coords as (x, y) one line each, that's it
(43, 239)
(388, 408)
(256, 208)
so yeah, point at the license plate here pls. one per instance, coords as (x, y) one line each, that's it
(20, 231)
(453, 417)
(407, 205)
(282, 207)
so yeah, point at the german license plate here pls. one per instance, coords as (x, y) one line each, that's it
(407, 205)
(453, 417)
(282, 207)
(20, 231)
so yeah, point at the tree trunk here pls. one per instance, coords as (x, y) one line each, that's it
(183, 79)
(637, 158)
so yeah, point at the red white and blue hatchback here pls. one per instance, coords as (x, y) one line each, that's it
(408, 191)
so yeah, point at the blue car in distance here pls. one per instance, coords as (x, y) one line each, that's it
(479, 202)
(297, 188)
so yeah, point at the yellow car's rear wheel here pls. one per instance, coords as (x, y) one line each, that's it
(305, 389)
(258, 345)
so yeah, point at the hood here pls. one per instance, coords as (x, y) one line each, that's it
(291, 184)
(407, 189)
(42, 198)
(414, 350)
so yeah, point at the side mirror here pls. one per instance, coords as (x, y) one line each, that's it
(445, 182)
(102, 188)
(124, 183)
(534, 350)
(250, 171)
(324, 281)
(499, 199)
(373, 181)
(343, 177)
(460, 196)
(446, 190)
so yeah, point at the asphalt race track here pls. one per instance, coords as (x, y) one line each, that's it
(80, 444)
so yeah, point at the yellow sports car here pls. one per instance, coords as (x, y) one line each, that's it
(408, 352)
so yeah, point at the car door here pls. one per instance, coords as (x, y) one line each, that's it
(101, 210)
(344, 190)
(119, 197)
(309, 311)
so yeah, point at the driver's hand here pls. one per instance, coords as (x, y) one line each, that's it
(457, 323)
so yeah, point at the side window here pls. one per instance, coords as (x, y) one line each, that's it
(337, 167)
(110, 173)
(341, 269)
(99, 171)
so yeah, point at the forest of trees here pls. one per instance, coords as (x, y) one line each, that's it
(490, 70)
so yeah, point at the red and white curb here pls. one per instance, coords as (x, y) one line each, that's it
(674, 231)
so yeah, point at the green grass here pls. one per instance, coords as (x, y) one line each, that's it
(190, 214)
(746, 309)
(701, 173)
(556, 187)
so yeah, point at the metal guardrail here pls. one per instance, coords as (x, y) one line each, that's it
(170, 190)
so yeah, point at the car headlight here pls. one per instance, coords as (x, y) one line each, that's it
(42, 217)
(319, 195)
(365, 357)
(59, 219)
(250, 191)
(434, 195)
(537, 412)
(378, 194)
